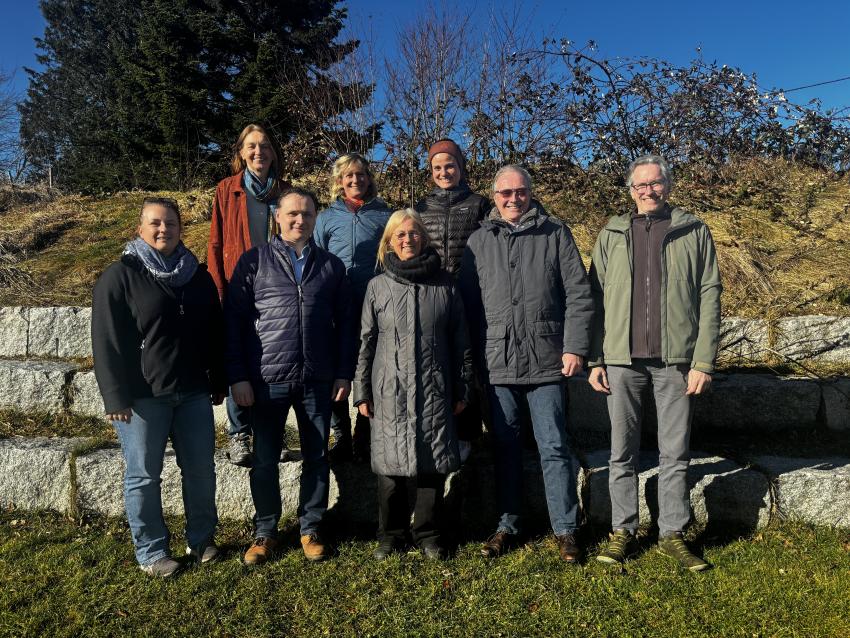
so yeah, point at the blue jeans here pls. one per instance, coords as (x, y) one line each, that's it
(312, 405)
(546, 404)
(238, 418)
(188, 420)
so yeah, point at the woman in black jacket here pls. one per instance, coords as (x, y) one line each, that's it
(157, 338)
(412, 379)
(451, 212)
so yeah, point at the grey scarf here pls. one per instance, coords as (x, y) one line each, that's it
(176, 270)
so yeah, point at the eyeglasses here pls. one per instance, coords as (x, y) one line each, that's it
(507, 192)
(410, 234)
(655, 186)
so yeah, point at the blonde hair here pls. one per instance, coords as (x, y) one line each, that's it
(238, 164)
(396, 220)
(341, 165)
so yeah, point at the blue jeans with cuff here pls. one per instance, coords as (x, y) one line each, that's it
(188, 420)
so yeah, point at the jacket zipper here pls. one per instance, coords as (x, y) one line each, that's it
(446, 237)
(301, 329)
(142, 359)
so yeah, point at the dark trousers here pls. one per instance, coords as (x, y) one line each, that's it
(394, 507)
(312, 405)
(341, 425)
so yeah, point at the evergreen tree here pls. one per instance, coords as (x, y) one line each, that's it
(153, 93)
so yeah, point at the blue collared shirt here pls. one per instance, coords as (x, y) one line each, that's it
(298, 262)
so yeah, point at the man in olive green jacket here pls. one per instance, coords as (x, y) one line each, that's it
(657, 289)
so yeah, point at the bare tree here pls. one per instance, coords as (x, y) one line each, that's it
(13, 161)
(424, 86)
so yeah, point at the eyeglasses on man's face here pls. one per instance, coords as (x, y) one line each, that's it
(522, 193)
(655, 186)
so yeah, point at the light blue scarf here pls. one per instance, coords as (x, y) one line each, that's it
(176, 270)
(254, 185)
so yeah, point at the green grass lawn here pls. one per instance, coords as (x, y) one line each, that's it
(61, 578)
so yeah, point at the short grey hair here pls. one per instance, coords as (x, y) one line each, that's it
(659, 161)
(513, 168)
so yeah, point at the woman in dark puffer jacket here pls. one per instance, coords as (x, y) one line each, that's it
(158, 342)
(412, 379)
(451, 212)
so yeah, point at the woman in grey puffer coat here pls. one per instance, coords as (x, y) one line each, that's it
(412, 378)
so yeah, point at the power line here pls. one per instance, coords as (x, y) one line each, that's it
(809, 86)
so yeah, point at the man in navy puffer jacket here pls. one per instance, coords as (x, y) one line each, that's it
(289, 345)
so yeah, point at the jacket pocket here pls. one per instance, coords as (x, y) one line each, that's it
(548, 343)
(496, 347)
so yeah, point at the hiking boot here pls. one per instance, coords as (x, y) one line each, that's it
(260, 551)
(432, 549)
(205, 554)
(674, 546)
(498, 544)
(239, 450)
(314, 548)
(165, 567)
(386, 546)
(621, 545)
(568, 548)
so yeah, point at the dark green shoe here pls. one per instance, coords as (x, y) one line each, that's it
(621, 545)
(674, 546)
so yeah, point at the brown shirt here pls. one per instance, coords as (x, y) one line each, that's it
(648, 233)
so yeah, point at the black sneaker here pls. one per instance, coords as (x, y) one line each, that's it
(431, 549)
(165, 567)
(386, 546)
(239, 450)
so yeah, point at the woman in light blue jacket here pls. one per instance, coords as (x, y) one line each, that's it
(351, 228)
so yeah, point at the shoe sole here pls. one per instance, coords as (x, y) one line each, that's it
(607, 560)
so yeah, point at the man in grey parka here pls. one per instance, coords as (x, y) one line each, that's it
(655, 278)
(528, 297)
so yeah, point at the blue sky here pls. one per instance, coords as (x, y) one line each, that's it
(787, 44)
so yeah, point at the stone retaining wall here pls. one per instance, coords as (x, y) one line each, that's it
(64, 332)
(37, 473)
(735, 401)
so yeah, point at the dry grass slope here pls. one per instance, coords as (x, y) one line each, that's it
(781, 231)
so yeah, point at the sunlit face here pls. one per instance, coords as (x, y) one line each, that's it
(296, 216)
(159, 228)
(649, 189)
(445, 170)
(512, 195)
(258, 153)
(355, 181)
(406, 240)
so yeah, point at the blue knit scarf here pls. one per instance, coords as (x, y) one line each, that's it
(176, 270)
(254, 185)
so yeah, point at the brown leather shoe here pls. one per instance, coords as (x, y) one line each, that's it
(314, 548)
(498, 544)
(260, 551)
(568, 548)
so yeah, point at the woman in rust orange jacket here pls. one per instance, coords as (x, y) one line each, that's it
(243, 217)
